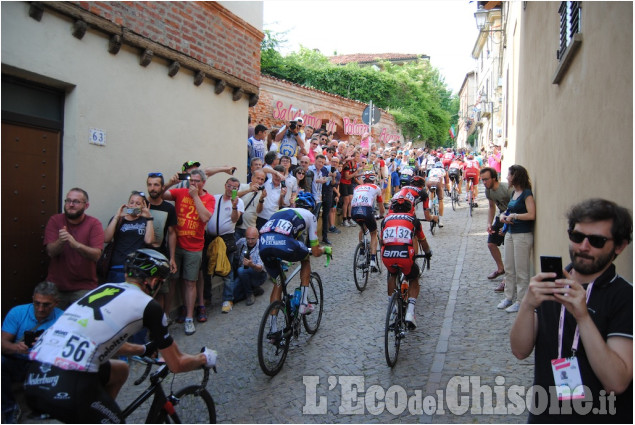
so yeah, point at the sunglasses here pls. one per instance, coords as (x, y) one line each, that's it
(596, 241)
(155, 174)
(300, 172)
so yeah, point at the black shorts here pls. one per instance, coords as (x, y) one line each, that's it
(346, 189)
(366, 216)
(496, 238)
(71, 396)
(455, 174)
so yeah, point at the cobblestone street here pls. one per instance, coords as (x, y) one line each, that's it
(339, 375)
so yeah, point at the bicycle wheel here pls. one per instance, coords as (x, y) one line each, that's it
(469, 197)
(195, 405)
(273, 347)
(315, 297)
(361, 268)
(393, 329)
(435, 211)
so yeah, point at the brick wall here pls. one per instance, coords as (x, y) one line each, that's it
(317, 103)
(204, 31)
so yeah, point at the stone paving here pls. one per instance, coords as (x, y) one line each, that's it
(339, 375)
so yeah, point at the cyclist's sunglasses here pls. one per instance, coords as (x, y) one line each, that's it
(596, 241)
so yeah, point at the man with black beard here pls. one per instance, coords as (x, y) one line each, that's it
(164, 215)
(74, 242)
(582, 324)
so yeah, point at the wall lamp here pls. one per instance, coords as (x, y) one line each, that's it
(481, 20)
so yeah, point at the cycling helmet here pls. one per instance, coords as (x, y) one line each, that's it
(305, 200)
(400, 205)
(411, 162)
(147, 263)
(369, 177)
(448, 149)
(418, 181)
(438, 164)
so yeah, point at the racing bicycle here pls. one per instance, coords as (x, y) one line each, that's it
(454, 195)
(190, 405)
(396, 328)
(470, 194)
(273, 346)
(361, 261)
(434, 202)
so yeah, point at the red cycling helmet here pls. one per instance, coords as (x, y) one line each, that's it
(400, 205)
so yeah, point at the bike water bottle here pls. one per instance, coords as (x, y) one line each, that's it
(297, 298)
(404, 287)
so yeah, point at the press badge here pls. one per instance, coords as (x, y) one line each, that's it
(566, 375)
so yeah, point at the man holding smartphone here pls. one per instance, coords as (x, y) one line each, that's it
(582, 324)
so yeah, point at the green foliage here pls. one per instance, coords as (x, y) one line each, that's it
(414, 93)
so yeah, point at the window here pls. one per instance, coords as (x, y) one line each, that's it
(570, 22)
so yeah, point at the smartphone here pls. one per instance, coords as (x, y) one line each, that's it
(283, 183)
(133, 211)
(234, 194)
(184, 176)
(551, 265)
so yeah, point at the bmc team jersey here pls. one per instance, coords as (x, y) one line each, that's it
(190, 230)
(398, 232)
(351, 167)
(365, 195)
(414, 194)
(92, 329)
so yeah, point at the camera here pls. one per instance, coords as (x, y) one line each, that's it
(133, 211)
(184, 176)
(261, 188)
(246, 256)
(30, 336)
(293, 125)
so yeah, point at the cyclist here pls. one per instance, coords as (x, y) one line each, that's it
(447, 158)
(363, 209)
(438, 179)
(472, 169)
(417, 194)
(281, 239)
(72, 377)
(455, 171)
(399, 230)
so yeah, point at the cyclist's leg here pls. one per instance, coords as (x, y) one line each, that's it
(440, 196)
(114, 374)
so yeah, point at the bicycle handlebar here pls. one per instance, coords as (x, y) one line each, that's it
(426, 259)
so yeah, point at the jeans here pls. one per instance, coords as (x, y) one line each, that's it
(228, 281)
(245, 280)
(517, 261)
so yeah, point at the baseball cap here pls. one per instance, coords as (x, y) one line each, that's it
(190, 164)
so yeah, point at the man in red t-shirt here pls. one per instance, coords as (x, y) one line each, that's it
(399, 230)
(194, 208)
(74, 242)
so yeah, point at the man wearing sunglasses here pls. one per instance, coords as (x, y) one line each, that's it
(582, 324)
(73, 241)
(291, 141)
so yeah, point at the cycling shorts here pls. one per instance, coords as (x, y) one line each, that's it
(455, 174)
(394, 256)
(274, 247)
(439, 188)
(364, 215)
(71, 396)
(471, 173)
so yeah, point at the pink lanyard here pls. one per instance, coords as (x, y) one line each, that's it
(576, 336)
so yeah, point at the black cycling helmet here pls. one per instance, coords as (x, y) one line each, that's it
(400, 205)
(305, 200)
(418, 181)
(147, 263)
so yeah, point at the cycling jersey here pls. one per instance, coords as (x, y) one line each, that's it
(363, 203)
(399, 231)
(436, 175)
(415, 195)
(70, 369)
(93, 328)
(280, 238)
